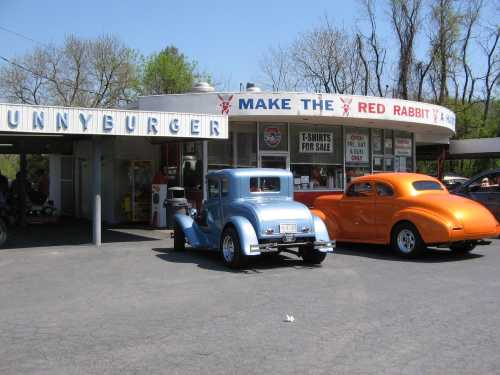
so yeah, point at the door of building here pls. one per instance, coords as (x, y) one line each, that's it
(274, 160)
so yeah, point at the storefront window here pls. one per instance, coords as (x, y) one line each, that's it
(316, 157)
(246, 144)
(273, 137)
(403, 152)
(220, 153)
(382, 146)
(357, 152)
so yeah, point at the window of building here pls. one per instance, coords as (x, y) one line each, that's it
(273, 137)
(220, 153)
(382, 146)
(238, 151)
(316, 157)
(357, 152)
(246, 144)
(403, 151)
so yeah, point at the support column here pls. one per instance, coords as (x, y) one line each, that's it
(96, 191)
(22, 187)
(205, 169)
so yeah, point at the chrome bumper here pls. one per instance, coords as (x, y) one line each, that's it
(325, 246)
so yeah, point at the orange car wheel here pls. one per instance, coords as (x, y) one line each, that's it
(406, 240)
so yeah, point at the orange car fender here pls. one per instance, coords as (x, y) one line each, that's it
(330, 222)
(432, 228)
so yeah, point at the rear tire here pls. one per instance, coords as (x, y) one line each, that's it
(179, 238)
(230, 249)
(311, 256)
(406, 240)
(462, 247)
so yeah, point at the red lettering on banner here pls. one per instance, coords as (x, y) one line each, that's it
(371, 108)
(397, 109)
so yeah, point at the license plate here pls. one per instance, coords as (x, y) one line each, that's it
(288, 228)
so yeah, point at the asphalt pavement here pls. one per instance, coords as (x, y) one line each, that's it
(138, 307)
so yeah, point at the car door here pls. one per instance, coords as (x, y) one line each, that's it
(385, 207)
(211, 218)
(357, 211)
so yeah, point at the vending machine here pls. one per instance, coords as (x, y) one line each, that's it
(158, 212)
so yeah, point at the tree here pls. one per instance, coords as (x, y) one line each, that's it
(98, 72)
(446, 20)
(405, 17)
(377, 52)
(168, 72)
(277, 69)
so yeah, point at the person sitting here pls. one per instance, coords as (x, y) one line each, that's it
(317, 179)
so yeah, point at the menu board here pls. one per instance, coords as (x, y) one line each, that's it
(402, 147)
(356, 148)
(315, 142)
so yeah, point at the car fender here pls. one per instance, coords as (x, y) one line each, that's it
(432, 228)
(194, 236)
(321, 232)
(246, 233)
(330, 222)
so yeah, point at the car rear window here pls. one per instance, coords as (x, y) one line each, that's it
(264, 184)
(427, 185)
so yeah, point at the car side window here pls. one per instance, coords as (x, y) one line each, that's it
(213, 188)
(360, 189)
(384, 190)
(224, 187)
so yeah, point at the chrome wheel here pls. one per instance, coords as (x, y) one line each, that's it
(228, 248)
(406, 241)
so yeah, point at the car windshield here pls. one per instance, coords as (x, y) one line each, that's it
(426, 185)
(264, 184)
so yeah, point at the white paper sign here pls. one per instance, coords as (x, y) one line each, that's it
(356, 148)
(402, 146)
(315, 142)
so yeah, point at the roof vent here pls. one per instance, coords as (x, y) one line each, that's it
(202, 87)
(252, 88)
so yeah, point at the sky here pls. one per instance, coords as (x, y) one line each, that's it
(226, 38)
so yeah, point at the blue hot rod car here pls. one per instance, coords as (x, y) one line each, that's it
(251, 211)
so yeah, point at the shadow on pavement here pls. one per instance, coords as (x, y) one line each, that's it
(211, 260)
(431, 255)
(70, 232)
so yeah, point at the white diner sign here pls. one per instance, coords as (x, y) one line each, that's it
(356, 148)
(68, 120)
(315, 142)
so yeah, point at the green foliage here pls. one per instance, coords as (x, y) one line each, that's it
(9, 166)
(168, 72)
(469, 124)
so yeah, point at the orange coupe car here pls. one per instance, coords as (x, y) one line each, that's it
(409, 211)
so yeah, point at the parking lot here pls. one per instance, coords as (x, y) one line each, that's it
(135, 306)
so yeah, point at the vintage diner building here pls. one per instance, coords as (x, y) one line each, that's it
(324, 139)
